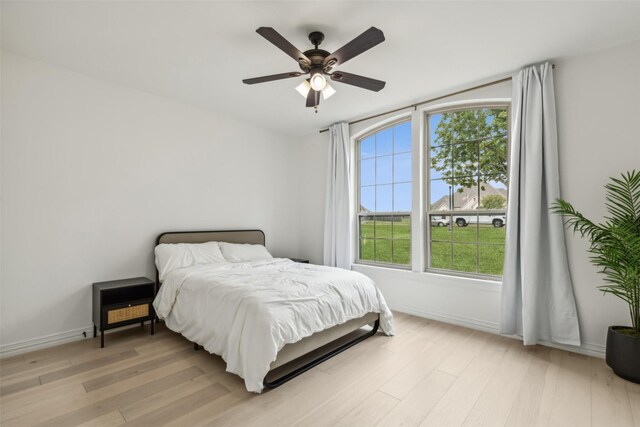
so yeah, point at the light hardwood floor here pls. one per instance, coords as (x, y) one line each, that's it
(430, 374)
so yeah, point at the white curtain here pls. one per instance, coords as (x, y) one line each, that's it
(337, 219)
(537, 294)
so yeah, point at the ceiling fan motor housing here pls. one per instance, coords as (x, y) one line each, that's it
(316, 56)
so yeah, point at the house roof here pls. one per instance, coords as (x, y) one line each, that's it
(467, 198)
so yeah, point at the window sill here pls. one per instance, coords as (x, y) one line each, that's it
(429, 278)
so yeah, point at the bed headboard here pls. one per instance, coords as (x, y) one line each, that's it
(255, 237)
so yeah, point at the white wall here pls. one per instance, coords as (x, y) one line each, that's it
(92, 172)
(312, 170)
(598, 107)
(598, 110)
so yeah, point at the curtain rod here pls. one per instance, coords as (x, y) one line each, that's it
(414, 105)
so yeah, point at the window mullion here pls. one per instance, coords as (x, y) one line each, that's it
(418, 208)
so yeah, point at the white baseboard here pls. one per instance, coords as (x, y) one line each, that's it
(467, 322)
(33, 344)
(588, 349)
(7, 350)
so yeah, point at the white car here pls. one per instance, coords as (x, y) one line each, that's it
(497, 221)
(440, 222)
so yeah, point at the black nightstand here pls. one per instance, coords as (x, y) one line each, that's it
(300, 260)
(122, 302)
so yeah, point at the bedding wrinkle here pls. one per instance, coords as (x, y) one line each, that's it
(246, 312)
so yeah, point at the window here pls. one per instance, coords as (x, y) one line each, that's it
(467, 190)
(384, 202)
(463, 176)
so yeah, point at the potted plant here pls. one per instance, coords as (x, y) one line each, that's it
(615, 250)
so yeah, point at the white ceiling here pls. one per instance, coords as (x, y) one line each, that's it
(198, 52)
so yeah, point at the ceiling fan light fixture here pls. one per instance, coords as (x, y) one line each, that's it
(328, 91)
(318, 63)
(318, 81)
(304, 88)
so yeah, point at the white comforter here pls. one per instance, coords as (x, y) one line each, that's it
(246, 312)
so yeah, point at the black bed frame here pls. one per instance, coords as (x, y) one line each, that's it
(300, 370)
(322, 358)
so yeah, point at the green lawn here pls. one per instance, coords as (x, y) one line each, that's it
(473, 249)
(391, 243)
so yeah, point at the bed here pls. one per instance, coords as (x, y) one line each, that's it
(270, 320)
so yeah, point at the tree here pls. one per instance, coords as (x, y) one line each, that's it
(469, 144)
(493, 201)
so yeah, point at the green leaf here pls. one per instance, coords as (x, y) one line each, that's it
(615, 243)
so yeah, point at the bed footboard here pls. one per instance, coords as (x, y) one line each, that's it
(285, 372)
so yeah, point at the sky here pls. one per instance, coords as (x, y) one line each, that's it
(385, 169)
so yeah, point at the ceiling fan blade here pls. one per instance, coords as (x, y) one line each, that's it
(313, 98)
(355, 47)
(271, 78)
(283, 44)
(356, 80)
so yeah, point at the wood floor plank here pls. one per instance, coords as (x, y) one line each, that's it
(37, 397)
(11, 363)
(208, 412)
(107, 405)
(86, 349)
(140, 368)
(87, 366)
(415, 407)
(181, 406)
(19, 386)
(408, 333)
(163, 398)
(459, 360)
(494, 405)
(113, 418)
(633, 392)
(426, 336)
(370, 411)
(20, 367)
(610, 405)
(93, 350)
(458, 401)
(314, 387)
(139, 380)
(48, 402)
(108, 392)
(343, 382)
(532, 406)
(572, 400)
(489, 380)
(36, 371)
(401, 384)
(497, 347)
(341, 403)
(57, 401)
(356, 378)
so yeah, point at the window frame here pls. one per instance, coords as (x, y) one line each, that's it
(357, 139)
(426, 181)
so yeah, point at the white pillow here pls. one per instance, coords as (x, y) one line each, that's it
(171, 256)
(238, 252)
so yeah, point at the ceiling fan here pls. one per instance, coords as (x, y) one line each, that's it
(318, 63)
